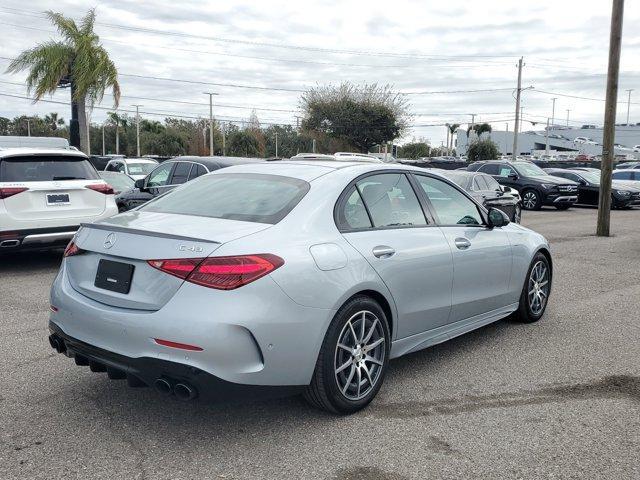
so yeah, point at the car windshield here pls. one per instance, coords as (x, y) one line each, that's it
(529, 170)
(141, 168)
(591, 177)
(461, 180)
(119, 181)
(247, 197)
(45, 168)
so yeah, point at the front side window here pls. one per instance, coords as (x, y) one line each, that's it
(248, 197)
(622, 175)
(45, 168)
(391, 200)
(160, 175)
(479, 184)
(450, 205)
(505, 170)
(491, 183)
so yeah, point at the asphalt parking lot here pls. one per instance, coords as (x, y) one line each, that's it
(557, 399)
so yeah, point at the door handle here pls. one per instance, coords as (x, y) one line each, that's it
(383, 251)
(462, 243)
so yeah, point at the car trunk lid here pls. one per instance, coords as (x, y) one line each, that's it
(133, 238)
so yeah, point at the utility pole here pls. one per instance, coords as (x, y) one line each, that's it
(211, 94)
(314, 146)
(28, 127)
(546, 150)
(224, 140)
(568, 116)
(517, 122)
(629, 103)
(103, 151)
(506, 136)
(447, 126)
(609, 133)
(553, 110)
(138, 129)
(276, 143)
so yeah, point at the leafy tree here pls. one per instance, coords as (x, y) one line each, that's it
(78, 61)
(117, 121)
(482, 150)
(242, 143)
(362, 116)
(53, 121)
(5, 126)
(415, 150)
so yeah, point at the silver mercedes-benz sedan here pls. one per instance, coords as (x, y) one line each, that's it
(294, 276)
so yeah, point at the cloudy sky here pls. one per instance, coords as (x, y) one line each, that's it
(451, 58)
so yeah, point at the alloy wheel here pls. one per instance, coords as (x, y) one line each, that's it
(360, 355)
(538, 288)
(529, 200)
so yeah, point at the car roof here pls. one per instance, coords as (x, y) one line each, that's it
(15, 152)
(312, 169)
(213, 163)
(135, 160)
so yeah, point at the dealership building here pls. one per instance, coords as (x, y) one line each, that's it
(560, 140)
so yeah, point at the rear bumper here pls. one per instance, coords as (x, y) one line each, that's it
(147, 370)
(36, 238)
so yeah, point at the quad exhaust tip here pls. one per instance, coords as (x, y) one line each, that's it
(163, 386)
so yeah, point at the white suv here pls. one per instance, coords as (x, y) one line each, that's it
(45, 194)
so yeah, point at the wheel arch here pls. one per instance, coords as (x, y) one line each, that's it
(545, 251)
(382, 301)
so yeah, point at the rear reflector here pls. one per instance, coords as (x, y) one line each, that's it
(6, 192)
(101, 187)
(182, 346)
(222, 273)
(53, 308)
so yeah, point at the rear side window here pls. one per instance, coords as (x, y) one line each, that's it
(491, 183)
(391, 200)
(352, 214)
(196, 171)
(45, 168)
(181, 173)
(246, 197)
(489, 168)
(479, 183)
(622, 175)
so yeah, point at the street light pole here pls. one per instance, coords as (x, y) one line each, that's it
(568, 116)
(276, 144)
(103, 151)
(138, 129)
(517, 122)
(211, 94)
(629, 103)
(553, 110)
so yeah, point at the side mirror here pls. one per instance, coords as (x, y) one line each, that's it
(513, 176)
(139, 184)
(497, 218)
(506, 189)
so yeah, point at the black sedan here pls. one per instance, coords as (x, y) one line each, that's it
(171, 174)
(622, 194)
(487, 191)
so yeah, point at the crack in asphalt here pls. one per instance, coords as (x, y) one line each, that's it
(618, 386)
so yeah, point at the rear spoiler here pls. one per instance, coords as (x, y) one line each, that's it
(148, 233)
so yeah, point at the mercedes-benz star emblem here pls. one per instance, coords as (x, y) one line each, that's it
(110, 240)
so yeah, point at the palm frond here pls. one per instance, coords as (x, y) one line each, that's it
(87, 22)
(66, 26)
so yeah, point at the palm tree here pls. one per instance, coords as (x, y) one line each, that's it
(78, 61)
(52, 121)
(452, 129)
(117, 121)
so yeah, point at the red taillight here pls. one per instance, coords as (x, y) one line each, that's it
(6, 192)
(71, 250)
(101, 187)
(222, 273)
(182, 346)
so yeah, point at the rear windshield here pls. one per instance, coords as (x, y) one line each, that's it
(141, 168)
(247, 197)
(44, 168)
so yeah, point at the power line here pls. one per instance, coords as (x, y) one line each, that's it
(277, 59)
(546, 92)
(265, 44)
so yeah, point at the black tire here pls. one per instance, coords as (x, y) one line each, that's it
(531, 199)
(525, 313)
(517, 214)
(563, 207)
(324, 392)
